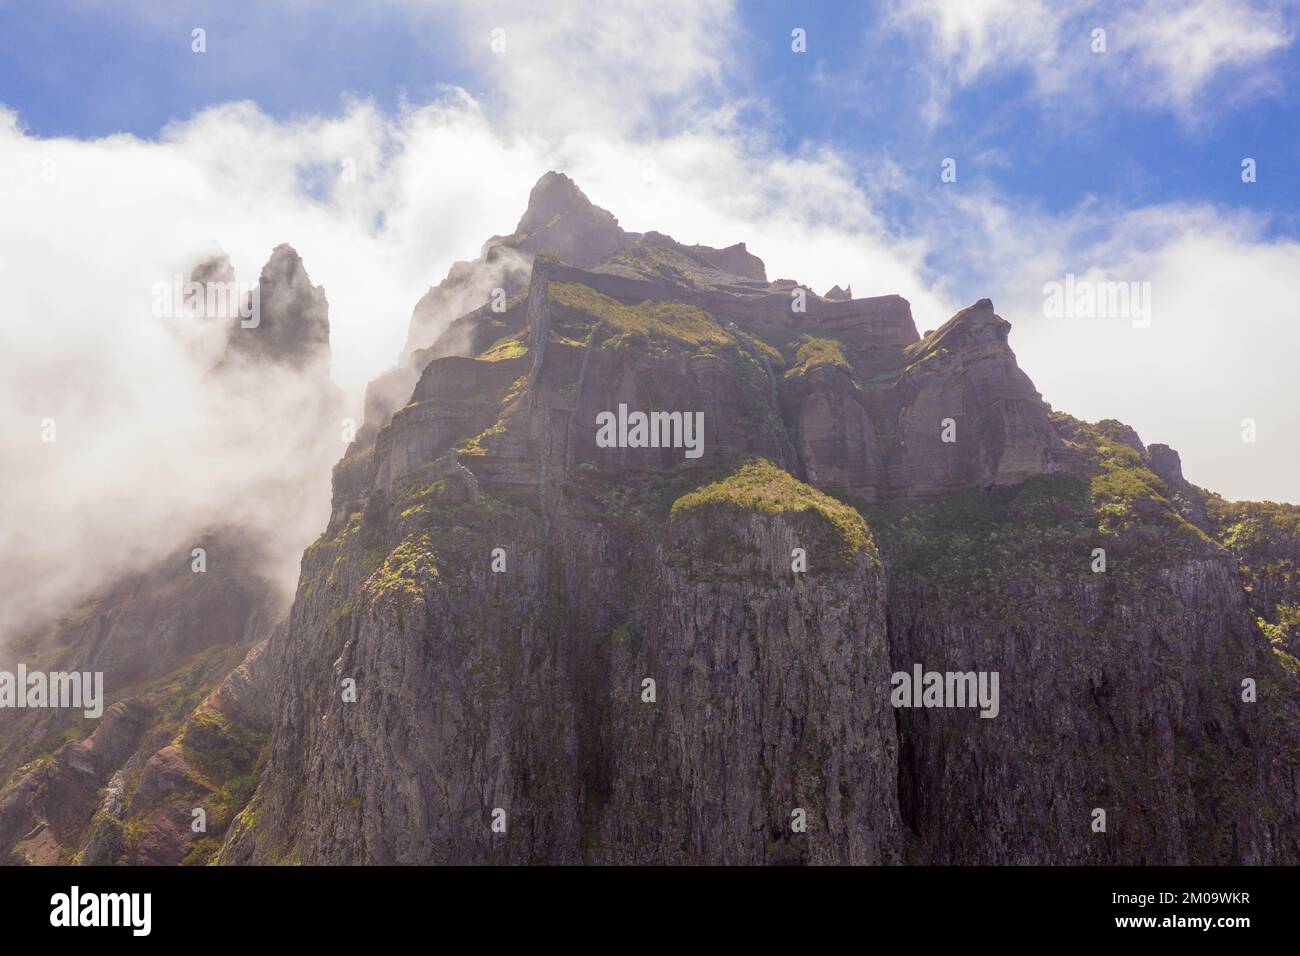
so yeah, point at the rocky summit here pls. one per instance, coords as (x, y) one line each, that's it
(896, 610)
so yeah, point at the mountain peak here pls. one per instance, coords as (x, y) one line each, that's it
(563, 222)
(554, 194)
(292, 325)
(975, 326)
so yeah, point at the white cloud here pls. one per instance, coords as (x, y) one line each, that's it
(1181, 46)
(983, 35)
(1159, 53)
(571, 65)
(150, 447)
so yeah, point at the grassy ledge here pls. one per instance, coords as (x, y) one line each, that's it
(759, 486)
(665, 321)
(817, 353)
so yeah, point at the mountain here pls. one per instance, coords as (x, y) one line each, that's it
(531, 634)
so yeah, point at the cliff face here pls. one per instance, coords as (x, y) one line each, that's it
(523, 690)
(1120, 690)
(1265, 538)
(525, 639)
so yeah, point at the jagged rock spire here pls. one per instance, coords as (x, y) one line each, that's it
(292, 317)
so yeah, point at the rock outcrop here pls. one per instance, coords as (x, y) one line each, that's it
(967, 415)
(290, 326)
(164, 641)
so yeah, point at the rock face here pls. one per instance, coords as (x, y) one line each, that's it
(523, 691)
(735, 260)
(967, 415)
(46, 808)
(563, 222)
(144, 629)
(521, 639)
(838, 442)
(560, 224)
(1117, 693)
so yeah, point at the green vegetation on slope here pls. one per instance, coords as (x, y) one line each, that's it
(644, 259)
(436, 532)
(1265, 537)
(758, 486)
(1127, 496)
(1256, 528)
(507, 347)
(816, 352)
(650, 322)
(406, 568)
(474, 444)
(1040, 532)
(1043, 531)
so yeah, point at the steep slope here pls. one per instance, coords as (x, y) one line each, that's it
(166, 642)
(1265, 537)
(560, 224)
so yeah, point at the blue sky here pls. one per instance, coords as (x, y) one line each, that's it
(1024, 148)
